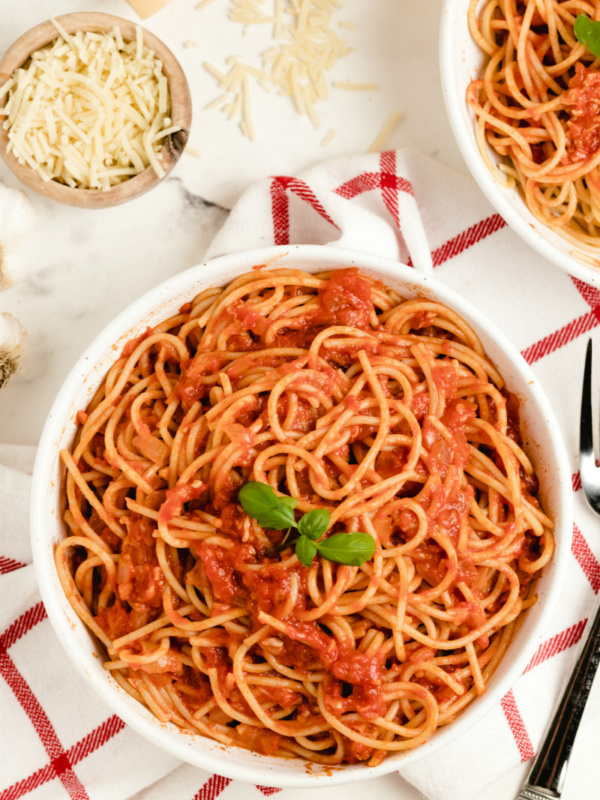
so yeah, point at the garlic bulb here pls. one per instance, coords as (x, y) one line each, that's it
(13, 340)
(16, 221)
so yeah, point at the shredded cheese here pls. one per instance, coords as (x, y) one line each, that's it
(89, 110)
(192, 151)
(383, 134)
(328, 137)
(354, 87)
(306, 48)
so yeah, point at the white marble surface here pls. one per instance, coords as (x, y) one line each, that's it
(91, 264)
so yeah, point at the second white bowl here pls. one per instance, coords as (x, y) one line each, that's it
(461, 61)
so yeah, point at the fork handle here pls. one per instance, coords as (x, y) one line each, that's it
(546, 777)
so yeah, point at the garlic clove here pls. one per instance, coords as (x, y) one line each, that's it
(13, 342)
(17, 218)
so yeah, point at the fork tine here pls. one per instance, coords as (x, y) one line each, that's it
(586, 432)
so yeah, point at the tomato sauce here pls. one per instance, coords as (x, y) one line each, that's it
(468, 614)
(168, 665)
(582, 102)
(115, 621)
(193, 687)
(176, 497)
(346, 300)
(222, 568)
(305, 418)
(251, 319)
(445, 378)
(422, 319)
(368, 701)
(391, 462)
(216, 658)
(261, 740)
(233, 519)
(352, 402)
(430, 563)
(354, 751)
(140, 578)
(301, 335)
(309, 633)
(298, 655)
(419, 404)
(269, 588)
(513, 430)
(190, 387)
(131, 345)
(360, 668)
(280, 695)
(446, 506)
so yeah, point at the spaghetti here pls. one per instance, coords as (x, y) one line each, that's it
(537, 106)
(334, 390)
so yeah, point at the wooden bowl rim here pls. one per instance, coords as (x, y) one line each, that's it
(181, 109)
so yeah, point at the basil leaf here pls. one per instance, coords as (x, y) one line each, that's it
(305, 550)
(587, 32)
(288, 501)
(315, 523)
(261, 503)
(352, 549)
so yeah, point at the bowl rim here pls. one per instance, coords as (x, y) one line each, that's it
(180, 98)
(220, 758)
(523, 224)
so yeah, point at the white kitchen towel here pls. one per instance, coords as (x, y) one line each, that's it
(57, 739)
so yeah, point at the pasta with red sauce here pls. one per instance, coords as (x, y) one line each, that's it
(333, 390)
(537, 105)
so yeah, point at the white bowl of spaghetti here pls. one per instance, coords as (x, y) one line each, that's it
(526, 146)
(339, 380)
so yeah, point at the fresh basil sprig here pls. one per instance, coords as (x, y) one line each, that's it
(261, 503)
(314, 524)
(306, 550)
(587, 31)
(356, 548)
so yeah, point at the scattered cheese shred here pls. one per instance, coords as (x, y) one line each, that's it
(354, 87)
(305, 50)
(88, 110)
(278, 24)
(248, 12)
(218, 101)
(383, 134)
(192, 151)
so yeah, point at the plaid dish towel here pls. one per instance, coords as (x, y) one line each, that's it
(57, 740)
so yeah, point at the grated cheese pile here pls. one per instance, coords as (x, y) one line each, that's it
(89, 110)
(306, 49)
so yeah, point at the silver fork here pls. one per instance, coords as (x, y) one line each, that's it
(547, 775)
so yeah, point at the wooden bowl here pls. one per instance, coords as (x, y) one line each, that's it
(181, 111)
